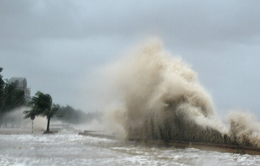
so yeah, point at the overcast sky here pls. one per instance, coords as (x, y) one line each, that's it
(59, 45)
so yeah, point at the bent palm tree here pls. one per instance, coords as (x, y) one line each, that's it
(42, 106)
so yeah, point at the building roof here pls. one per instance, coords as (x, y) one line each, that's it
(13, 79)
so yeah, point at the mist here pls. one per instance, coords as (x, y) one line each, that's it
(14, 118)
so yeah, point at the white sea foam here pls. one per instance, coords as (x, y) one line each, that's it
(74, 150)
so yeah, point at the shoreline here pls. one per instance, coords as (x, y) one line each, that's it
(224, 148)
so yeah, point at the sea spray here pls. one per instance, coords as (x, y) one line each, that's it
(244, 128)
(15, 119)
(161, 98)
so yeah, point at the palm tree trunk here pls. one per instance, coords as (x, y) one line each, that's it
(48, 124)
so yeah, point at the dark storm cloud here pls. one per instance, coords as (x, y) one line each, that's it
(58, 45)
(65, 19)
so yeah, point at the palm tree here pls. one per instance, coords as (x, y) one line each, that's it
(42, 106)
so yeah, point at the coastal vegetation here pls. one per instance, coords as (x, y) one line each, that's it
(12, 98)
(68, 114)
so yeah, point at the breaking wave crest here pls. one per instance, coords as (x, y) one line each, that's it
(161, 98)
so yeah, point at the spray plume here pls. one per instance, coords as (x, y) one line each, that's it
(161, 98)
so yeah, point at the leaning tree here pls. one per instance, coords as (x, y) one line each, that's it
(41, 105)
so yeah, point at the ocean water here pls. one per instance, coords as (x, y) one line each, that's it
(77, 150)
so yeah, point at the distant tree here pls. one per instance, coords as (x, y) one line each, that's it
(70, 115)
(10, 98)
(42, 106)
(13, 97)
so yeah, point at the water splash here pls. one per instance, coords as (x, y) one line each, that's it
(161, 98)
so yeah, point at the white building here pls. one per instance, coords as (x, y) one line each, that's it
(21, 83)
